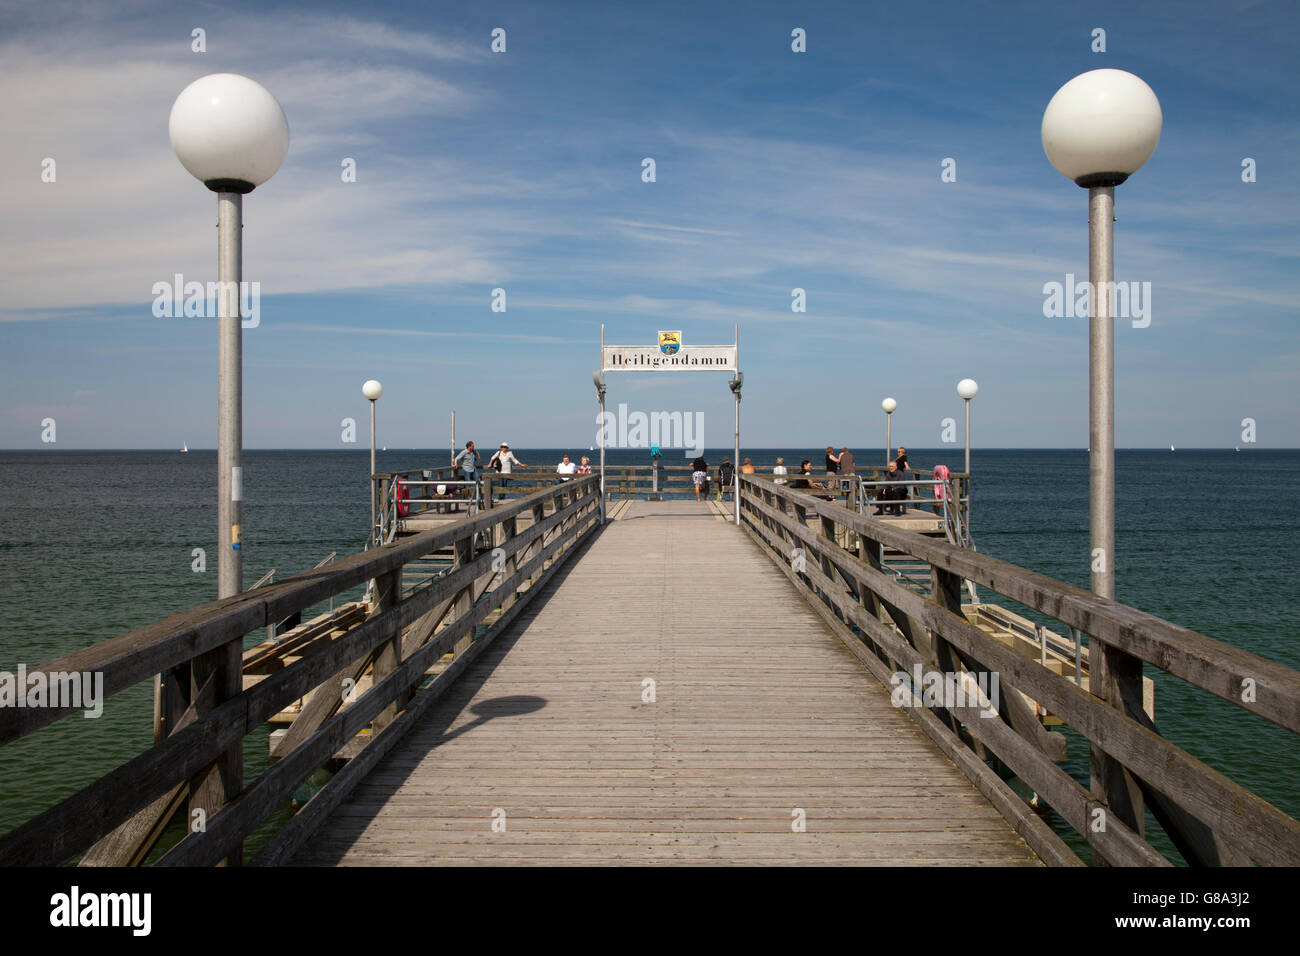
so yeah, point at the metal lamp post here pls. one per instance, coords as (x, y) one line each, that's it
(966, 390)
(735, 384)
(888, 405)
(372, 390)
(1099, 129)
(598, 379)
(231, 135)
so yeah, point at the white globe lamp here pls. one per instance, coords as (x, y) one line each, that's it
(1099, 129)
(231, 135)
(888, 405)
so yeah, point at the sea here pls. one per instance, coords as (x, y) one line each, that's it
(97, 543)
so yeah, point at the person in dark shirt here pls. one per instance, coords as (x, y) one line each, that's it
(804, 481)
(901, 462)
(700, 476)
(890, 493)
(901, 492)
(832, 466)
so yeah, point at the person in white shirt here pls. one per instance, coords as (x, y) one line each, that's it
(565, 469)
(780, 469)
(503, 460)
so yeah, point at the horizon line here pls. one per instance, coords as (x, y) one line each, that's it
(366, 448)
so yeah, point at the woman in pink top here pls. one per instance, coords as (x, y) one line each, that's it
(940, 490)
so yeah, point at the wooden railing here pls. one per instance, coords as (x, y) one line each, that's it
(626, 482)
(834, 557)
(638, 481)
(211, 712)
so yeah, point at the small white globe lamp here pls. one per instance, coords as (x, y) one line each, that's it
(966, 390)
(372, 390)
(888, 405)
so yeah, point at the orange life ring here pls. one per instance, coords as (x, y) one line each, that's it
(401, 494)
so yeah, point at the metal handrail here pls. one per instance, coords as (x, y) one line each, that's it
(954, 530)
(389, 518)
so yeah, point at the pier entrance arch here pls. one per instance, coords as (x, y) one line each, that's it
(670, 354)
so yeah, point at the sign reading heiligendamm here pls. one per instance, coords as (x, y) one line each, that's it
(650, 358)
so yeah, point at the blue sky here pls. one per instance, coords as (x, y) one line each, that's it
(522, 170)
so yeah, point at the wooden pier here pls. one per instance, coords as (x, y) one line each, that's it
(528, 684)
(669, 699)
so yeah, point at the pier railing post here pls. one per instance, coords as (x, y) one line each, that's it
(173, 697)
(216, 677)
(383, 508)
(388, 594)
(463, 549)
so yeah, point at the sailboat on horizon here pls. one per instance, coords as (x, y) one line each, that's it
(185, 447)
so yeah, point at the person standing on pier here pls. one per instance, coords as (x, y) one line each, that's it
(503, 460)
(585, 467)
(566, 469)
(901, 493)
(747, 468)
(699, 475)
(780, 469)
(940, 488)
(901, 462)
(847, 467)
(832, 465)
(468, 462)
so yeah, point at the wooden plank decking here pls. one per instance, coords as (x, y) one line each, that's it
(758, 713)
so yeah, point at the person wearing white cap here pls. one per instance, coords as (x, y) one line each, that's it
(502, 460)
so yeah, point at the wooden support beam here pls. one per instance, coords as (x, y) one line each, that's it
(129, 844)
(387, 657)
(221, 782)
(1012, 707)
